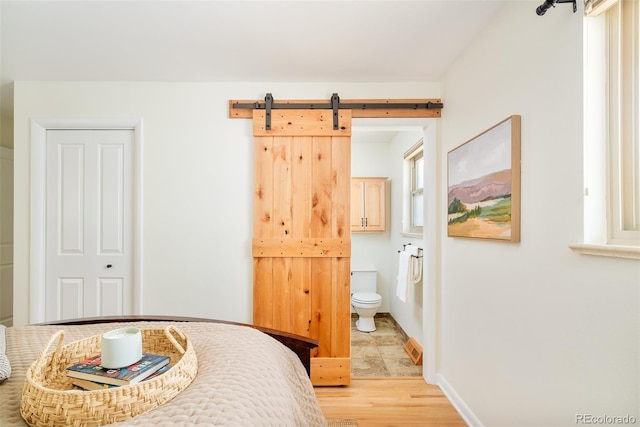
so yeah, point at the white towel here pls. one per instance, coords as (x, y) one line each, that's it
(415, 264)
(403, 275)
(413, 250)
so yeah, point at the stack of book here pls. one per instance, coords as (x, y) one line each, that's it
(90, 375)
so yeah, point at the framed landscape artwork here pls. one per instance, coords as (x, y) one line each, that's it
(483, 185)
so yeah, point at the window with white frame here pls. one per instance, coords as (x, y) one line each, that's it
(414, 161)
(612, 148)
(624, 152)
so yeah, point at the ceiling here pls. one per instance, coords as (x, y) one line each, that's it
(216, 40)
(239, 40)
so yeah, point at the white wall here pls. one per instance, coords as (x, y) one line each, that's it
(409, 315)
(379, 251)
(533, 334)
(371, 251)
(198, 178)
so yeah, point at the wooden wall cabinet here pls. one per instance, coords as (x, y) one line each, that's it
(368, 204)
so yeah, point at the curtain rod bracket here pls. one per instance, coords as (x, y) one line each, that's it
(542, 9)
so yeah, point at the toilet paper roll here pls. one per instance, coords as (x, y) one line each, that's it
(121, 347)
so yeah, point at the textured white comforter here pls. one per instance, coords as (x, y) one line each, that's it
(245, 378)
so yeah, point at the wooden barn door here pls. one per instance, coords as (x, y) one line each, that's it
(302, 237)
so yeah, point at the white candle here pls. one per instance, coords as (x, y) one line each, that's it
(121, 347)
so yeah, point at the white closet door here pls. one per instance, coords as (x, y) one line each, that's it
(6, 236)
(89, 235)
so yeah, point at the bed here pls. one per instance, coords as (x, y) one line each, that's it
(247, 376)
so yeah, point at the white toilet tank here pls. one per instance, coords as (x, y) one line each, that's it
(364, 281)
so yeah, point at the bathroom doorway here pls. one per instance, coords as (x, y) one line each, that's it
(378, 147)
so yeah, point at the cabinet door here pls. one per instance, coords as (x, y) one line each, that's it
(374, 206)
(368, 204)
(357, 205)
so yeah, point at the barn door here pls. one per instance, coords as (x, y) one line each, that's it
(302, 238)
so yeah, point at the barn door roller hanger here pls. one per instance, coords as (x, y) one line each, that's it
(334, 104)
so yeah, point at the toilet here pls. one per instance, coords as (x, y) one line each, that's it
(364, 299)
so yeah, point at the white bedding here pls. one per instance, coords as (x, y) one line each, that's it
(245, 378)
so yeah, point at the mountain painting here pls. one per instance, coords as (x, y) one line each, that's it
(484, 185)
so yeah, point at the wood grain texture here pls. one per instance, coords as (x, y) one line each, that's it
(515, 178)
(263, 292)
(307, 247)
(302, 240)
(301, 296)
(302, 170)
(282, 187)
(341, 180)
(368, 204)
(321, 305)
(301, 123)
(340, 307)
(262, 227)
(263, 187)
(330, 371)
(341, 268)
(388, 401)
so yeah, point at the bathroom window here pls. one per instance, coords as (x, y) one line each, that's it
(414, 162)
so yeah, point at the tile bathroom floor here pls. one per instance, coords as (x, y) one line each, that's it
(381, 353)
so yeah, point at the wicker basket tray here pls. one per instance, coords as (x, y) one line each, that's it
(49, 398)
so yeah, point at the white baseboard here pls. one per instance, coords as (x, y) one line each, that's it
(465, 412)
(7, 322)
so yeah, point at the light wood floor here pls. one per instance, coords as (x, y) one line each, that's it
(389, 401)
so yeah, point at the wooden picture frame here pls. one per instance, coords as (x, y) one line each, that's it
(483, 184)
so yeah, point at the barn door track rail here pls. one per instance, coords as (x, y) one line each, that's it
(371, 108)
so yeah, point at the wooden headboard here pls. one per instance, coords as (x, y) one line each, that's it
(300, 345)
